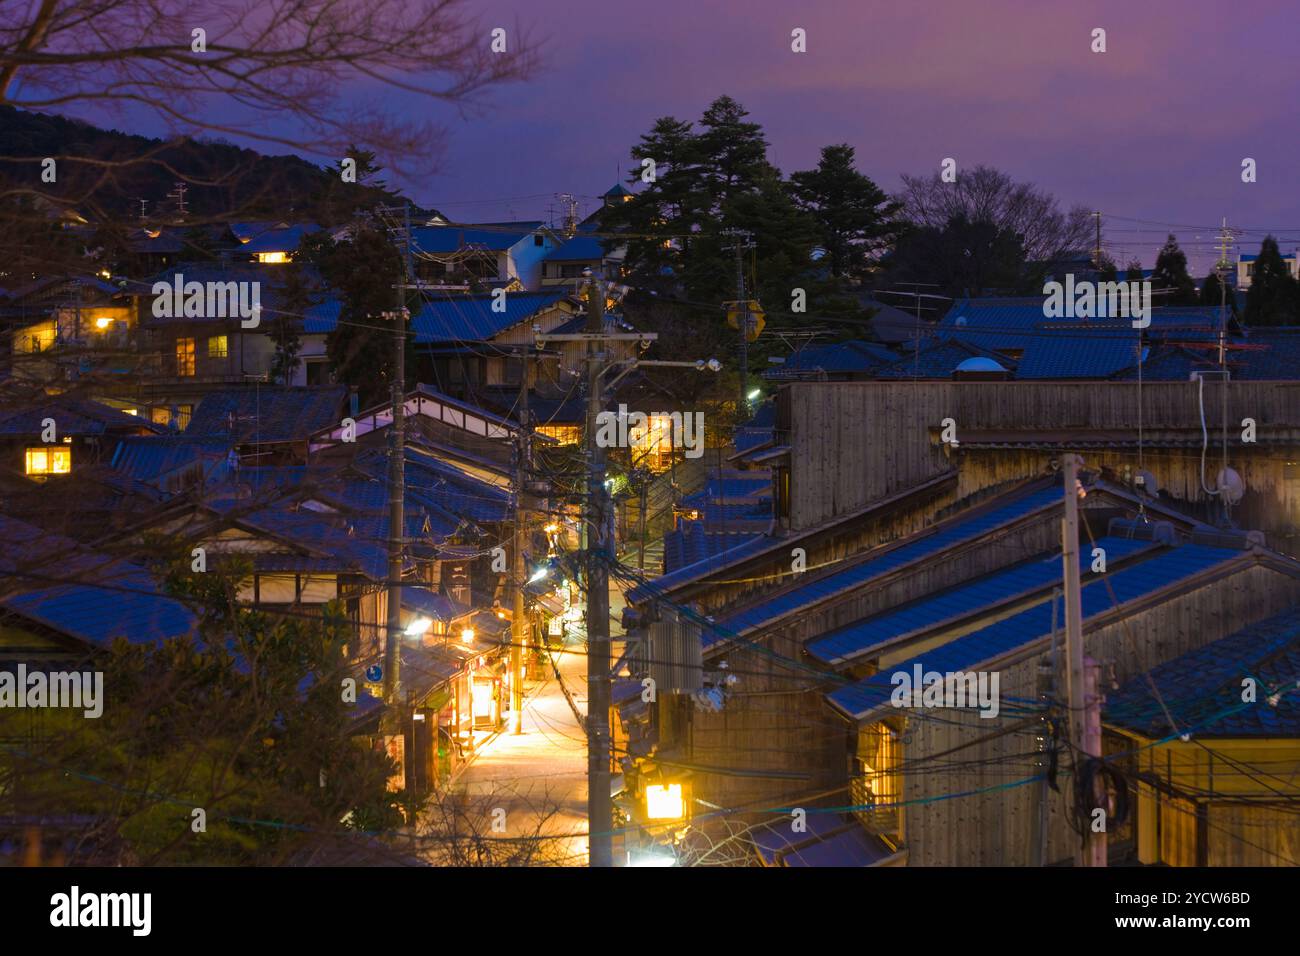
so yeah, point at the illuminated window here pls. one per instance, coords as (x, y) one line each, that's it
(185, 356)
(183, 413)
(652, 445)
(159, 416)
(564, 434)
(878, 780)
(217, 347)
(272, 258)
(52, 460)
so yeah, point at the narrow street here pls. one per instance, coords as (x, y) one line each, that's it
(539, 777)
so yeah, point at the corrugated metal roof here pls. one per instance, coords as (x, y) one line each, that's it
(1021, 580)
(1020, 630)
(883, 560)
(1202, 689)
(469, 318)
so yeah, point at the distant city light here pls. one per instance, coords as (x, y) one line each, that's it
(467, 636)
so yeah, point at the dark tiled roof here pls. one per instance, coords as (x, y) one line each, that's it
(961, 528)
(955, 603)
(693, 543)
(72, 416)
(491, 236)
(470, 318)
(1020, 630)
(835, 359)
(1202, 690)
(270, 414)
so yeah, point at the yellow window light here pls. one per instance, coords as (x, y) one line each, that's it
(664, 802)
(103, 322)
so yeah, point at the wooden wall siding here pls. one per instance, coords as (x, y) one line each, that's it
(993, 829)
(1274, 831)
(853, 442)
(773, 720)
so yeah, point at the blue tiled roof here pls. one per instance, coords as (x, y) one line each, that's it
(883, 560)
(469, 318)
(757, 484)
(704, 566)
(442, 487)
(1023, 579)
(494, 237)
(578, 249)
(837, 358)
(323, 317)
(72, 416)
(693, 543)
(101, 614)
(433, 604)
(1202, 689)
(938, 359)
(280, 240)
(128, 603)
(270, 414)
(153, 457)
(1025, 628)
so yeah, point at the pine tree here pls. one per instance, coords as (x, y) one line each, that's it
(1272, 296)
(854, 217)
(1170, 274)
(1133, 271)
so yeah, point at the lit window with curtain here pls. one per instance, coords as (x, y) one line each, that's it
(877, 779)
(185, 356)
(48, 460)
(217, 347)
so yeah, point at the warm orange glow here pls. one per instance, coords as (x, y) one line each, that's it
(467, 635)
(48, 461)
(664, 802)
(272, 258)
(103, 322)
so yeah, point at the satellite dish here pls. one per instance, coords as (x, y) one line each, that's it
(1146, 482)
(1230, 485)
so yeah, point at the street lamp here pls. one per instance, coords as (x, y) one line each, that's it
(418, 627)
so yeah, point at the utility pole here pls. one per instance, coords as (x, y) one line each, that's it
(600, 807)
(742, 240)
(519, 624)
(1093, 852)
(397, 488)
(1225, 237)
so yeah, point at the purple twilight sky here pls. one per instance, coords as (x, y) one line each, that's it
(1154, 129)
